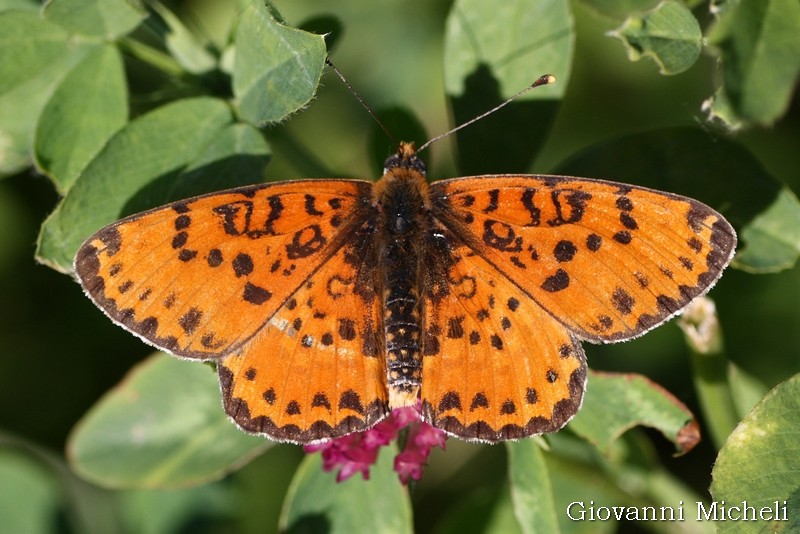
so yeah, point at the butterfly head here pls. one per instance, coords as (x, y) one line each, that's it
(402, 191)
(405, 158)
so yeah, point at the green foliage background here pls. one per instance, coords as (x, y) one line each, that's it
(608, 117)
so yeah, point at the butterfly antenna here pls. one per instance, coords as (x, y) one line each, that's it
(361, 101)
(547, 79)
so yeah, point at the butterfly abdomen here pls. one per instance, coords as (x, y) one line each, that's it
(401, 199)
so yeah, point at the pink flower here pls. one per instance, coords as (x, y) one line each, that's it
(421, 439)
(356, 452)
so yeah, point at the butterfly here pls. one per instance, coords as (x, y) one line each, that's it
(327, 303)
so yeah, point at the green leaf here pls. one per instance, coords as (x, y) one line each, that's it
(630, 474)
(28, 45)
(148, 433)
(23, 5)
(759, 45)
(183, 44)
(236, 156)
(492, 51)
(668, 34)
(579, 476)
(104, 19)
(82, 506)
(619, 9)
(146, 164)
(315, 502)
(500, 519)
(615, 403)
(484, 508)
(87, 108)
(531, 491)
(720, 111)
(276, 69)
(34, 56)
(154, 511)
(772, 240)
(747, 390)
(759, 463)
(29, 494)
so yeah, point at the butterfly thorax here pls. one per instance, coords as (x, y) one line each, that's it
(401, 198)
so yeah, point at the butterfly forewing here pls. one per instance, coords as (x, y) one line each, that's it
(200, 277)
(608, 260)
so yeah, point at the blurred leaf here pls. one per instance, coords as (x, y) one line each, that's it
(34, 56)
(183, 44)
(718, 7)
(492, 51)
(759, 463)
(759, 45)
(326, 25)
(236, 156)
(615, 403)
(106, 19)
(578, 477)
(166, 143)
(29, 494)
(669, 35)
(28, 44)
(24, 5)
(747, 389)
(156, 511)
(480, 509)
(82, 506)
(578, 508)
(261, 486)
(531, 492)
(148, 433)
(772, 240)
(619, 9)
(719, 172)
(88, 106)
(315, 502)
(277, 68)
(501, 517)
(629, 474)
(720, 111)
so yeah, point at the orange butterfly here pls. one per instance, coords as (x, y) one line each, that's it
(327, 303)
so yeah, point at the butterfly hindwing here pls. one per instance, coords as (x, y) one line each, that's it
(496, 366)
(317, 369)
(608, 260)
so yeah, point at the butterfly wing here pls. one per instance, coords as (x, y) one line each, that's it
(316, 370)
(245, 276)
(496, 366)
(200, 277)
(522, 268)
(608, 260)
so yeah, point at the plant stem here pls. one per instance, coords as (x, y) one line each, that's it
(151, 56)
(704, 336)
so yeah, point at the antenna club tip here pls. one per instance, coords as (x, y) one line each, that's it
(546, 79)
